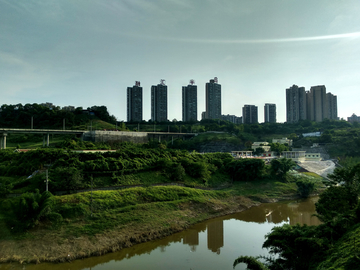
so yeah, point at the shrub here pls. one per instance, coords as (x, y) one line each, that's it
(66, 178)
(305, 187)
(31, 207)
(246, 169)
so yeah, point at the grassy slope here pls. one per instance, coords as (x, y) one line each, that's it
(103, 221)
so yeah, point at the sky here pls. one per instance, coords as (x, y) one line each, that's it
(87, 52)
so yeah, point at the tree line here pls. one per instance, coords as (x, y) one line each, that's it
(39, 116)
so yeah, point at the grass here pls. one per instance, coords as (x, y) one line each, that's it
(269, 188)
(33, 141)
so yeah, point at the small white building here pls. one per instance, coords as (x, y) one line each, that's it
(294, 155)
(312, 156)
(242, 154)
(301, 156)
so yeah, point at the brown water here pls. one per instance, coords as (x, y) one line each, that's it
(213, 244)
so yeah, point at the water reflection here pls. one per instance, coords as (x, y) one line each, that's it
(225, 238)
(215, 235)
(294, 212)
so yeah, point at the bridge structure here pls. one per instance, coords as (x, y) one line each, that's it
(160, 136)
(97, 135)
(46, 132)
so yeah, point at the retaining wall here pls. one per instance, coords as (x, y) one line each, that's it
(116, 136)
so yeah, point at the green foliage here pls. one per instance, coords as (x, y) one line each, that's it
(5, 186)
(66, 178)
(246, 169)
(19, 116)
(295, 246)
(280, 167)
(349, 177)
(305, 187)
(199, 169)
(259, 151)
(346, 252)
(336, 200)
(325, 138)
(32, 207)
(252, 263)
(278, 148)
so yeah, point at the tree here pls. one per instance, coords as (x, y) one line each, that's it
(296, 247)
(280, 167)
(246, 169)
(69, 178)
(258, 151)
(278, 148)
(248, 144)
(325, 138)
(334, 201)
(305, 187)
(349, 177)
(31, 207)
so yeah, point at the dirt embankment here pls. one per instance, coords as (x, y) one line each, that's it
(51, 246)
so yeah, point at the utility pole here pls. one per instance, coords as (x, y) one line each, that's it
(91, 200)
(47, 180)
(32, 122)
(64, 124)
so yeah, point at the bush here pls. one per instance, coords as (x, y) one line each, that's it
(246, 169)
(305, 187)
(280, 167)
(31, 207)
(66, 178)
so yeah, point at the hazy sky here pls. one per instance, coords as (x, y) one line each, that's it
(87, 52)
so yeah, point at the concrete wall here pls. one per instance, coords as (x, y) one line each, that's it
(116, 136)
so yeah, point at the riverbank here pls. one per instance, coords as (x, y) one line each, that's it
(46, 245)
(120, 219)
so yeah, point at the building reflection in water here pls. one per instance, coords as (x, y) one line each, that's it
(191, 239)
(295, 212)
(215, 235)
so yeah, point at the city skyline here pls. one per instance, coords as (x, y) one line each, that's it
(314, 104)
(83, 53)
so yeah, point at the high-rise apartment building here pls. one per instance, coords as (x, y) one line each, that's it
(270, 113)
(189, 102)
(213, 99)
(295, 104)
(134, 103)
(331, 106)
(316, 103)
(250, 114)
(159, 102)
